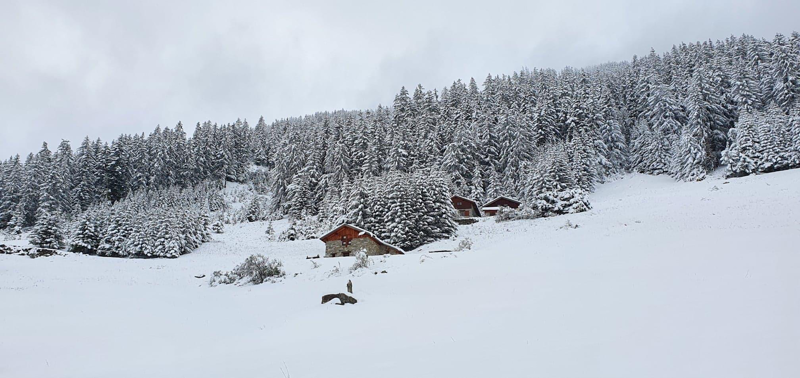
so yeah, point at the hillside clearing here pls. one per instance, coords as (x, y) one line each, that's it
(659, 279)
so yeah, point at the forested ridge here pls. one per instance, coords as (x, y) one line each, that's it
(533, 135)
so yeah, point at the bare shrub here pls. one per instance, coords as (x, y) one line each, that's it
(362, 261)
(255, 270)
(569, 225)
(464, 244)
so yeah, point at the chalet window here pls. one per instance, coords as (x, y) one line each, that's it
(458, 203)
(345, 241)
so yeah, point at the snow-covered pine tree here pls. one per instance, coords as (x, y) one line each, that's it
(87, 237)
(690, 156)
(254, 210)
(794, 122)
(780, 137)
(745, 90)
(358, 211)
(439, 208)
(47, 231)
(552, 188)
(17, 221)
(457, 157)
(583, 161)
(399, 220)
(785, 73)
(742, 155)
(665, 118)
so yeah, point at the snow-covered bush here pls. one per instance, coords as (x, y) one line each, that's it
(289, 234)
(464, 244)
(508, 214)
(362, 261)
(270, 231)
(336, 270)
(569, 201)
(255, 270)
(218, 227)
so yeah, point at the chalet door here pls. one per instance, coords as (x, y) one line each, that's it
(464, 213)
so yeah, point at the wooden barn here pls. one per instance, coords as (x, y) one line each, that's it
(491, 207)
(347, 239)
(465, 207)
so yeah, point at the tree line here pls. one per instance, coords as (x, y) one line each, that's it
(682, 113)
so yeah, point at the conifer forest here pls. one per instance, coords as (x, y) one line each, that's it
(543, 136)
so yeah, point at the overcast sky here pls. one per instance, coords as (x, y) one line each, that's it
(100, 68)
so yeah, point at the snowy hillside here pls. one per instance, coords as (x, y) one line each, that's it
(659, 279)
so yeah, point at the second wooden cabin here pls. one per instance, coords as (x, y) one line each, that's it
(491, 207)
(465, 207)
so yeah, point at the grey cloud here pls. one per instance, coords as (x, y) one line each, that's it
(98, 68)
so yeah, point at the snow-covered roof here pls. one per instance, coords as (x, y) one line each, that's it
(464, 198)
(362, 232)
(501, 197)
(490, 208)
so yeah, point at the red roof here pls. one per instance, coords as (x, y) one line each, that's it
(361, 232)
(491, 203)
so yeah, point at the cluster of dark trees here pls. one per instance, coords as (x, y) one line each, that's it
(158, 223)
(764, 141)
(404, 209)
(659, 114)
(68, 182)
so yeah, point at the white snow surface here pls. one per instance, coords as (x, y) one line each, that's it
(660, 279)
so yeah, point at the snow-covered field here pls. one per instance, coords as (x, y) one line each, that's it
(660, 279)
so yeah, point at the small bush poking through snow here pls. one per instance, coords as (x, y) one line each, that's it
(270, 231)
(362, 261)
(218, 227)
(464, 244)
(569, 225)
(256, 269)
(336, 271)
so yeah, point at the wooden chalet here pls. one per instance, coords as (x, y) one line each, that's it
(465, 207)
(346, 240)
(491, 207)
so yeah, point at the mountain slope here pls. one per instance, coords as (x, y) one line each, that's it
(660, 279)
